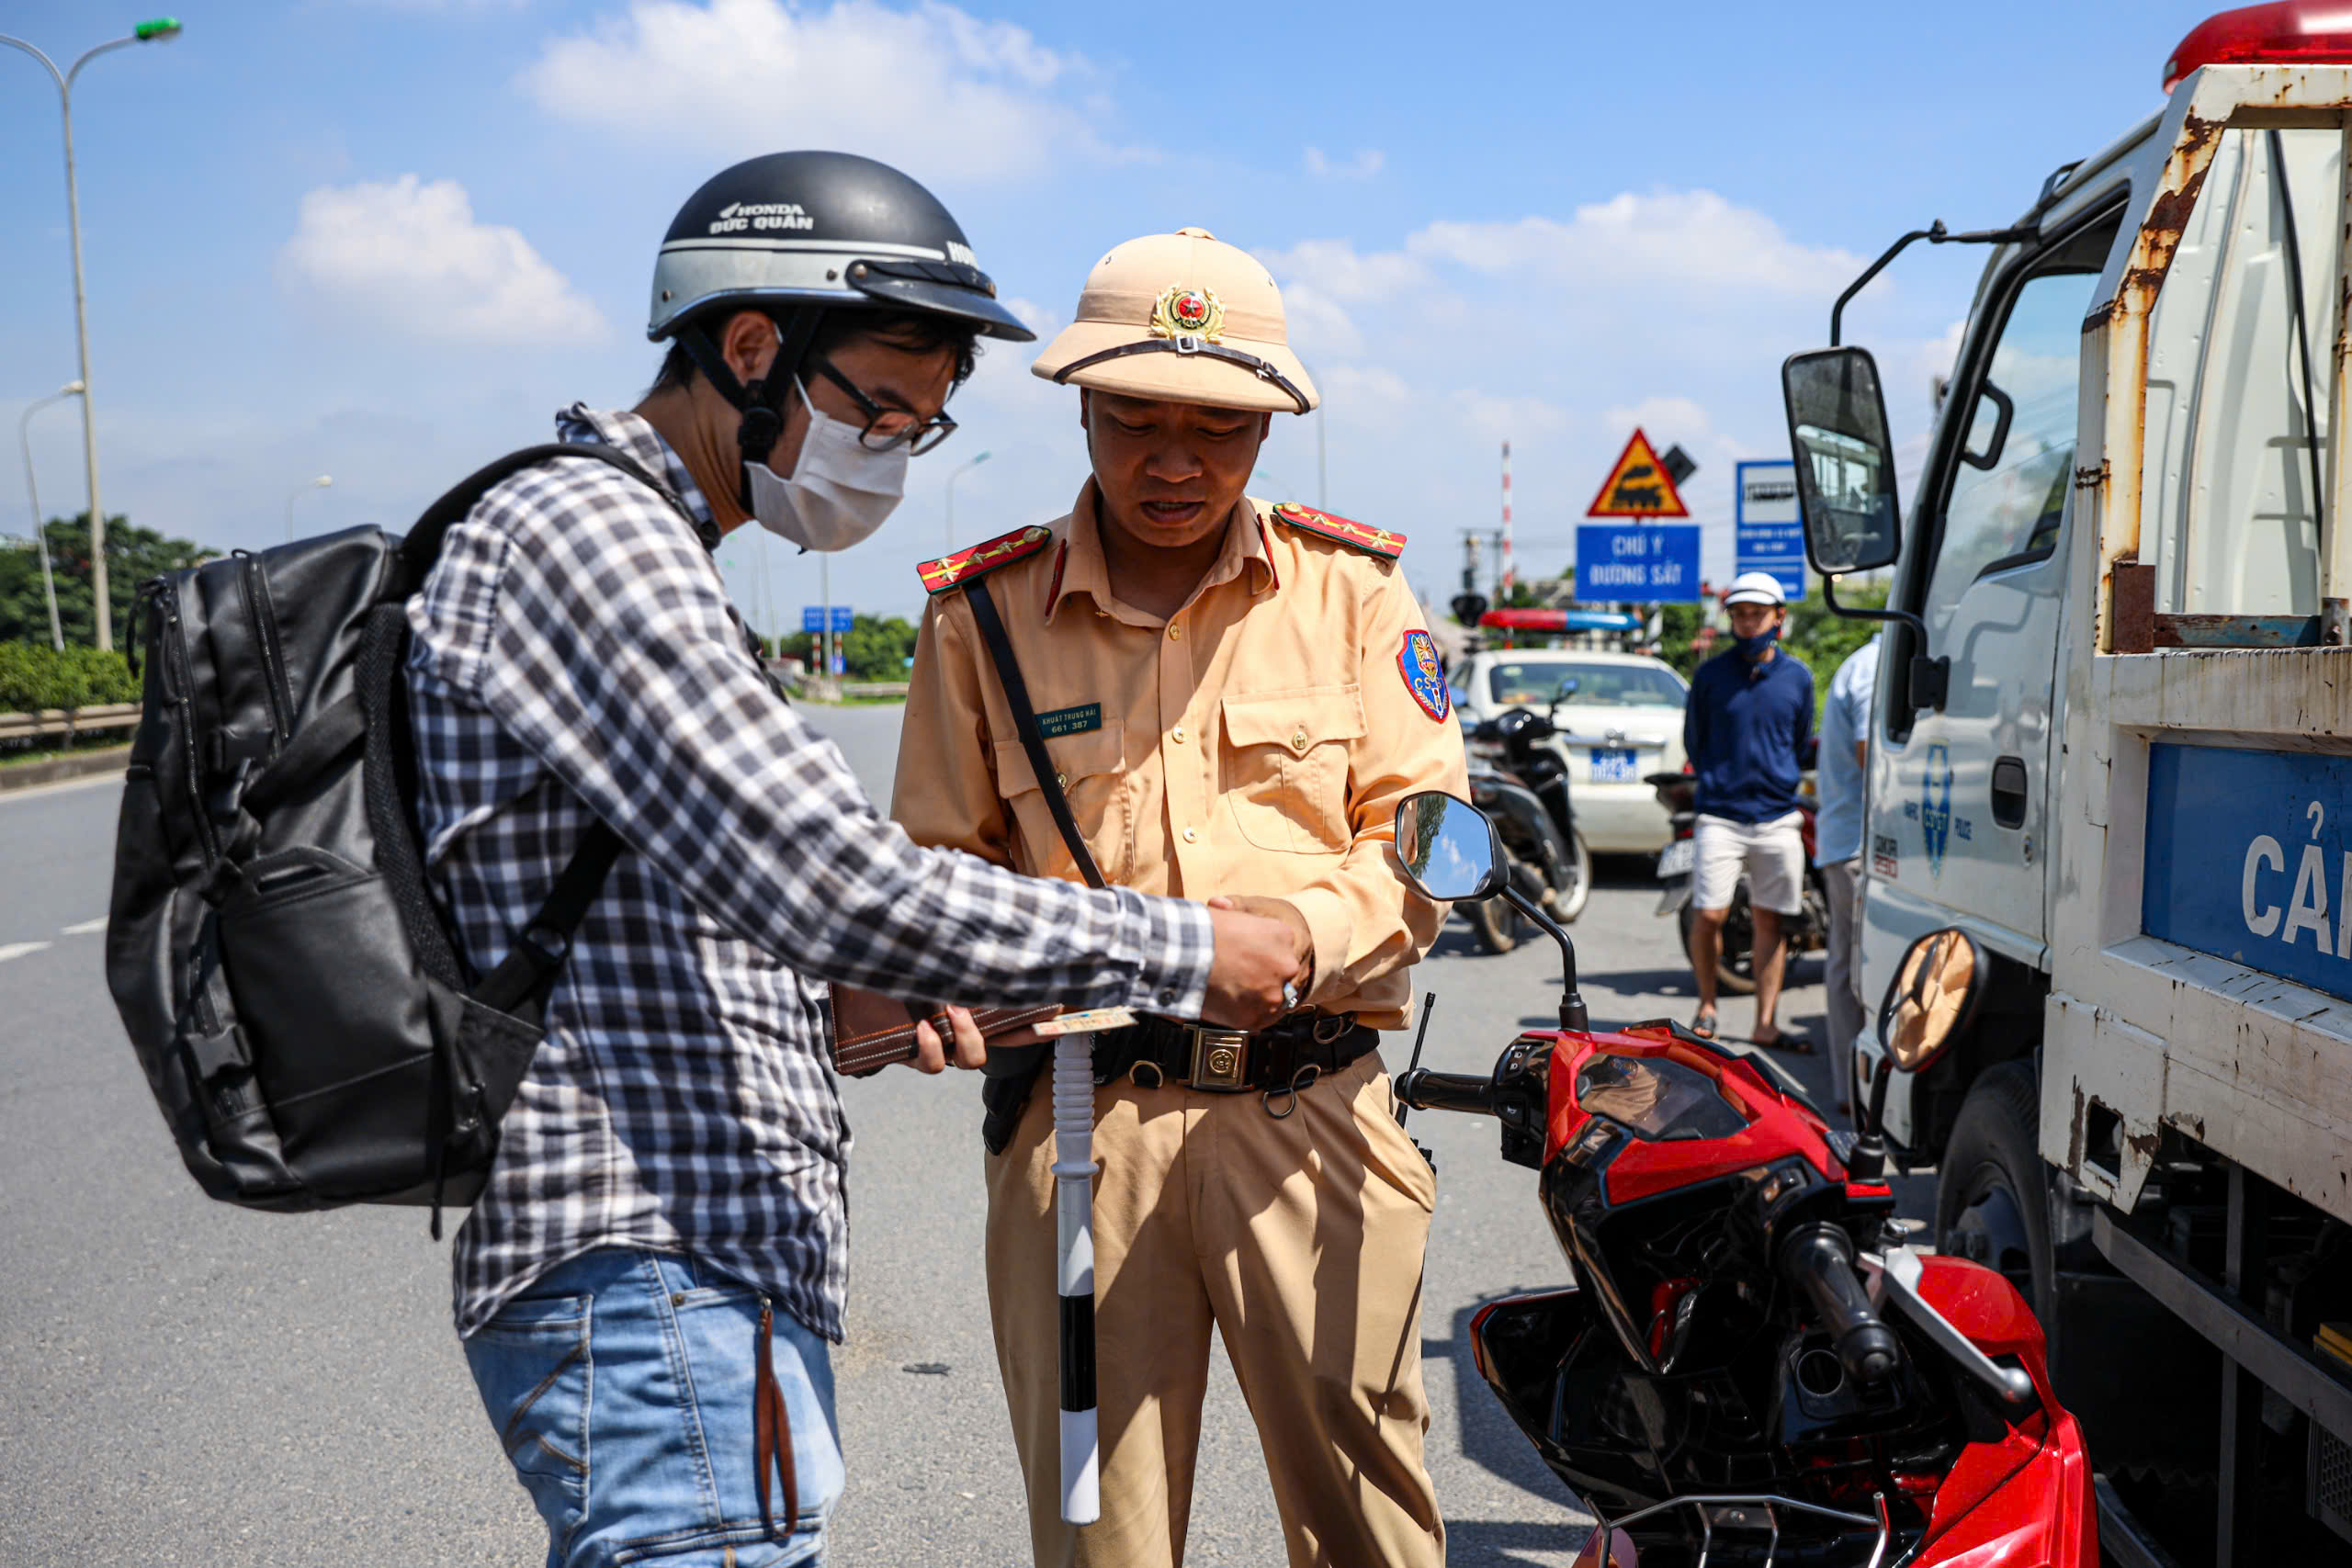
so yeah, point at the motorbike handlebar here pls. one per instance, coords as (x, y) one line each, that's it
(1818, 1261)
(1426, 1090)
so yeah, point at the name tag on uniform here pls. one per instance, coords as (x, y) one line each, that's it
(1071, 721)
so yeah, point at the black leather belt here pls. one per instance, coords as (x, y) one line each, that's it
(1227, 1061)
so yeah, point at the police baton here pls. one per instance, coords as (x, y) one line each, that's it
(1074, 1270)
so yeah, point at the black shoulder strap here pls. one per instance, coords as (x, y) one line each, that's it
(1025, 719)
(423, 546)
(527, 974)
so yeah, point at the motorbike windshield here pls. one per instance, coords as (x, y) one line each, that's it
(1656, 1099)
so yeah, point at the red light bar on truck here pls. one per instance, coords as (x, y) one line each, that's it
(2287, 32)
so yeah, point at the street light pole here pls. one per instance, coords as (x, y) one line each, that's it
(978, 458)
(102, 612)
(32, 490)
(322, 482)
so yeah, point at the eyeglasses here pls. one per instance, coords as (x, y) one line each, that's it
(887, 428)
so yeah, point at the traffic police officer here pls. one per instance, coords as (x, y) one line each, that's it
(1233, 696)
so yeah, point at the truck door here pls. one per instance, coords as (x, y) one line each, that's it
(1960, 796)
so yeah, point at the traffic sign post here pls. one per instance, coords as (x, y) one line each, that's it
(1769, 530)
(1644, 562)
(827, 622)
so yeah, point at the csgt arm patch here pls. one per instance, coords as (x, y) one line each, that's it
(1424, 676)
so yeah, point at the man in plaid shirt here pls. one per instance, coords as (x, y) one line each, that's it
(669, 1185)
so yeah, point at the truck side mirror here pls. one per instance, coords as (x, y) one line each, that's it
(1845, 483)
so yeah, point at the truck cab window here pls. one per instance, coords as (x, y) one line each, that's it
(2009, 487)
(2238, 355)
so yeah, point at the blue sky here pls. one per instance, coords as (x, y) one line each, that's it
(384, 240)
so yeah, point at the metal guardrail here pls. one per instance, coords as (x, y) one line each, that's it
(68, 722)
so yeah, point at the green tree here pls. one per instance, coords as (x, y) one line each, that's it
(133, 555)
(1822, 638)
(875, 647)
(1678, 624)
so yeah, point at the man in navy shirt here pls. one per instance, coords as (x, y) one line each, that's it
(1744, 730)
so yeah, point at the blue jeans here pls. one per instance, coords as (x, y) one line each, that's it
(620, 1384)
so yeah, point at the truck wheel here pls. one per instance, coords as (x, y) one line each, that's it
(1736, 971)
(1993, 1197)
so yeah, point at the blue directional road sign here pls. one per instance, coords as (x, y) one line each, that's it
(1770, 533)
(812, 618)
(1649, 563)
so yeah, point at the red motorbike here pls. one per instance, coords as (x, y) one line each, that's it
(1750, 1367)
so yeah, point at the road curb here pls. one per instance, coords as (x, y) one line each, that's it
(80, 764)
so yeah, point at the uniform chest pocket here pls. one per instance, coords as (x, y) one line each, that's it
(1091, 768)
(1285, 762)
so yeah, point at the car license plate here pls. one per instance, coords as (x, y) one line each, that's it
(1677, 858)
(1615, 764)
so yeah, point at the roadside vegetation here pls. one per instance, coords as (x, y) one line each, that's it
(133, 555)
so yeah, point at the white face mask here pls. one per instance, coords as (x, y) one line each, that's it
(839, 491)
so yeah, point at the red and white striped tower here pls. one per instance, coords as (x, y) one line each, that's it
(1509, 574)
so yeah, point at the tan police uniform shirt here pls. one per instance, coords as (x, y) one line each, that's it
(1257, 742)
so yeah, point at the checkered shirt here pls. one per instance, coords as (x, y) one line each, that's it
(575, 652)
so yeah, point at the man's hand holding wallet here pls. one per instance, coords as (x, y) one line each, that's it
(1262, 970)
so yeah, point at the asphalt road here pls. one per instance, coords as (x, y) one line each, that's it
(183, 1382)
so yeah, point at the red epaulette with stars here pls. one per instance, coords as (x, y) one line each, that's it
(955, 570)
(1383, 542)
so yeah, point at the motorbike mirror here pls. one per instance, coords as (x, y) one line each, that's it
(1932, 998)
(1448, 848)
(1567, 688)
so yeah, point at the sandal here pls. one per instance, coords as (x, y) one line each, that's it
(1704, 1024)
(1794, 1045)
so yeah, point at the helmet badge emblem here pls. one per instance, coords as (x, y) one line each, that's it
(1183, 312)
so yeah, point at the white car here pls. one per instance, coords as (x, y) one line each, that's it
(1624, 720)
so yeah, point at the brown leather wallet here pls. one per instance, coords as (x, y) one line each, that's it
(864, 1054)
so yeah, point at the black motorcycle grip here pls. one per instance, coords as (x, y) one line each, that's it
(1819, 1262)
(1426, 1090)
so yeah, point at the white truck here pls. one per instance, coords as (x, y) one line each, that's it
(2112, 741)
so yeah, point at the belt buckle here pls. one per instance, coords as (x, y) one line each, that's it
(1220, 1060)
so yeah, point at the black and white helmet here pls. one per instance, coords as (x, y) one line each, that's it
(831, 229)
(801, 234)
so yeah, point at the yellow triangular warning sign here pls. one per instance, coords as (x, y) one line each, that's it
(1638, 486)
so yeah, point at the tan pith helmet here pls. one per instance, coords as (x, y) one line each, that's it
(1185, 317)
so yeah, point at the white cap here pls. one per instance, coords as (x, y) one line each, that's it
(1755, 587)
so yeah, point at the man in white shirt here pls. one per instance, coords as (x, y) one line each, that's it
(1837, 849)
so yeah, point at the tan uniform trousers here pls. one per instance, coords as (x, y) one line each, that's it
(1300, 1238)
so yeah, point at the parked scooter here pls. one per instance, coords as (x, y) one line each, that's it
(1735, 970)
(1524, 788)
(1750, 1366)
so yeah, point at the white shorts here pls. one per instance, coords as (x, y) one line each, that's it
(1771, 853)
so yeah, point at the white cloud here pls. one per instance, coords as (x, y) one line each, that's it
(1337, 268)
(1368, 162)
(932, 87)
(1040, 319)
(409, 255)
(1505, 416)
(1670, 310)
(1686, 236)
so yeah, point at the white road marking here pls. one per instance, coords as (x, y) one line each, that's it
(87, 927)
(19, 949)
(34, 792)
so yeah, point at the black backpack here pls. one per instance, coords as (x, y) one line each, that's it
(298, 999)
